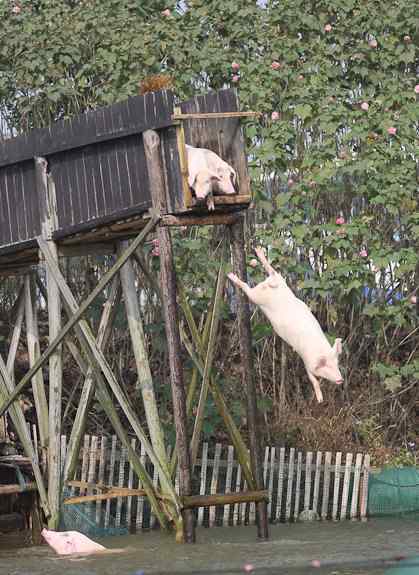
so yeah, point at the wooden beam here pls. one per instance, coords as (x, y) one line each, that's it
(213, 219)
(14, 488)
(215, 115)
(194, 501)
(80, 312)
(230, 200)
(245, 341)
(168, 290)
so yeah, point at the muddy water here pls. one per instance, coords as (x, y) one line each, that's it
(342, 549)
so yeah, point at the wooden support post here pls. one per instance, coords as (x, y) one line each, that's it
(168, 290)
(245, 338)
(32, 336)
(46, 194)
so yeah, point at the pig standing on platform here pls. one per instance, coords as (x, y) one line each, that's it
(70, 542)
(209, 175)
(294, 323)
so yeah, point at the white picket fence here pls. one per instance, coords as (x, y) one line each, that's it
(301, 485)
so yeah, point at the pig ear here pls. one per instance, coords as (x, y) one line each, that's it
(321, 362)
(191, 179)
(337, 346)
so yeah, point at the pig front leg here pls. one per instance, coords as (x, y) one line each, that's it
(240, 284)
(316, 386)
(259, 251)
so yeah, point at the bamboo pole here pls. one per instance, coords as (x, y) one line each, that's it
(17, 314)
(34, 352)
(143, 367)
(245, 340)
(46, 193)
(104, 333)
(236, 438)
(199, 419)
(18, 418)
(17, 329)
(102, 370)
(80, 312)
(168, 289)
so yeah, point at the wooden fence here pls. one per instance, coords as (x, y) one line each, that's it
(302, 486)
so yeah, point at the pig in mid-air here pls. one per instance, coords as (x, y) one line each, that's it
(209, 175)
(294, 323)
(70, 542)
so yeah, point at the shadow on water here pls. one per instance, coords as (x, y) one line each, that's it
(336, 549)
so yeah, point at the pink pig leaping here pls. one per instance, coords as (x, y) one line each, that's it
(69, 542)
(294, 323)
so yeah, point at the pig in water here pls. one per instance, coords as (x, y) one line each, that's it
(70, 542)
(208, 174)
(293, 322)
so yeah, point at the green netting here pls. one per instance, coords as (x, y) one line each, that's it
(394, 491)
(82, 517)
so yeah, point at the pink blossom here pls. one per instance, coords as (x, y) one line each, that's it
(417, 89)
(275, 116)
(407, 39)
(315, 563)
(373, 43)
(166, 12)
(363, 253)
(275, 65)
(340, 220)
(155, 242)
(290, 182)
(248, 568)
(364, 106)
(300, 77)
(413, 299)
(16, 9)
(235, 78)
(253, 263)
(155, 251)
(328, 28)
(392, 130)
(235, 66)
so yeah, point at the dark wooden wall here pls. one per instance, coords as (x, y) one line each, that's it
(98, 166)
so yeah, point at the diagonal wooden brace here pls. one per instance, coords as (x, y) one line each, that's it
(80, 312)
